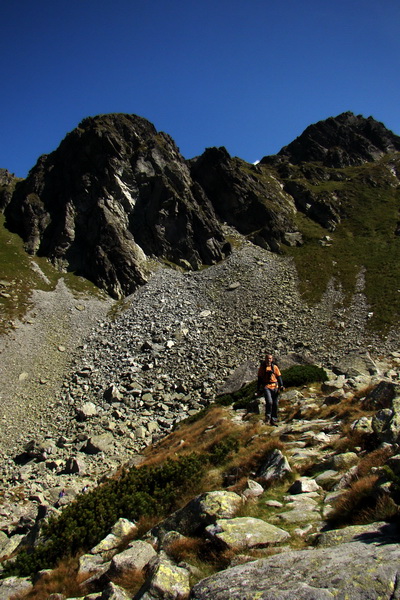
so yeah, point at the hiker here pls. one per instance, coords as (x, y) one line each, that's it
(270, 384)
(60, 496)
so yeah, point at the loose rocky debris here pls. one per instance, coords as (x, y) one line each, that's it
(182, 339)
(361, 559)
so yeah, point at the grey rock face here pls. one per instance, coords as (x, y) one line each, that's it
(7, 185)
(136, 557)
(246, 197)
(355, 570)
(386, 422)
(358, 533)
(342, 141)
(246, 532)
(166, 580)
(11, 586)
(200, 512)
(275, 467)
(114, 193)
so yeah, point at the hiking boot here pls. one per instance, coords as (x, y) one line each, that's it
(273, 422)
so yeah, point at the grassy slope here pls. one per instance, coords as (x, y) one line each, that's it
(364, 241)
(20, 274)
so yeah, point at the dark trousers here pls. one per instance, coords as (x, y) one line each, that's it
(271, 404)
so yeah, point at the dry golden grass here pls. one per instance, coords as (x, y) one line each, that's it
(385, 508)
(202, 553)
(145, 523)
(62, 580)
(185, 549)
(191, 436)
(131, 582)
(363, 502)
(249, 457)
(376, 458)
(347, 410)
(350, 507)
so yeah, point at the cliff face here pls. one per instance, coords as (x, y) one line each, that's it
(247, 197)
(341, 141)
(7, 185)
(117, 193)
(114, 193)
(333, 163)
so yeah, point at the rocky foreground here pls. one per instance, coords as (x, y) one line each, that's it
(176, 343)
(362, 560)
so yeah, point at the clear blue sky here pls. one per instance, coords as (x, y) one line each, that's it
(249, 75)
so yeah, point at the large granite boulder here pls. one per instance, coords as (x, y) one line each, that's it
(378, 532)
(166, 581)
(354, 570)
(201, 511)
(274, 467)
(246, 532)
(14, 586)
(108, 546)
(134, 558)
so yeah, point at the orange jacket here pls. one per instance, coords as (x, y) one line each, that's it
(269, 377)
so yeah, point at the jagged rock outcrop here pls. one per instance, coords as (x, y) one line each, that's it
(114, 193)
(310, 166)
(340, 142)
(247, 197)
(7, 184)
(117, 192)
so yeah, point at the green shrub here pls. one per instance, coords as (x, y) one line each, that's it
(302, 374)
(220, 451)
(239, 398)
(147, 491)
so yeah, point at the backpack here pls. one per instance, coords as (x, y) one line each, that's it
(268, 373)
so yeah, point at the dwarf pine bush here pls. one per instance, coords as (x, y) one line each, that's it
(146, 491)
(303, 374)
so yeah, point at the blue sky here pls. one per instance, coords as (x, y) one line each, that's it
(249, 75)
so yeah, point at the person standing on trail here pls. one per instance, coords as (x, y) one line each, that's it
(270, 384)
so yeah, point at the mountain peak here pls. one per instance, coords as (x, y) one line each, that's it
(341, 141)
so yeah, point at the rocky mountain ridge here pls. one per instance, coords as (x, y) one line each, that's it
(340, 141)
(117, 193)
(113, 193)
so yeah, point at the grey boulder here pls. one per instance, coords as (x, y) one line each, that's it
(354, 570)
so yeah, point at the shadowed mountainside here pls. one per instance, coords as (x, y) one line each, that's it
(117, 195)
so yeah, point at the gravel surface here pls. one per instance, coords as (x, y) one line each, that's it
(35, 357)
(181, 332)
